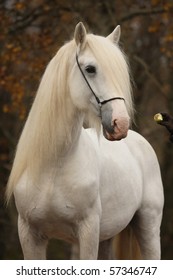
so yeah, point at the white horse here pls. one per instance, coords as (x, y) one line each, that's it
(72, 183)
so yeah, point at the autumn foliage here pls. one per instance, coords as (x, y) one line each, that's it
(30, 34)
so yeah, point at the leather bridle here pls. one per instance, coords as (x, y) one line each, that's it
(100, 103)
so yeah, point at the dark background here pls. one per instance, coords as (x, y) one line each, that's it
(30, 34)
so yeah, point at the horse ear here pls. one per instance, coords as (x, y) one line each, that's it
(80, 34)
(115, 35)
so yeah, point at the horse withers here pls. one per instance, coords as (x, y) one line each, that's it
(72, 183)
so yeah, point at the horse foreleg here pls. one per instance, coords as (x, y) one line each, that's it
(147, 229)
(106, 250)
(33, 245)
(88, 235)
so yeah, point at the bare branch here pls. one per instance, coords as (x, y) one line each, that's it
(142, 12)
(149, 74)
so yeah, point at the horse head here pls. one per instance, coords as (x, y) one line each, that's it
(100, 81)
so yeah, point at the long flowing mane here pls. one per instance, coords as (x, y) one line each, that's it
(40, 140)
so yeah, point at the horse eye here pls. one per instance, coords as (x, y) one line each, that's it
(90, 69)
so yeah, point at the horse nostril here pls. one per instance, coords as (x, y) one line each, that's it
(115, 122)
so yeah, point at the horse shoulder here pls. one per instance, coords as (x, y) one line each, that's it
(149, 164)
(141, 148)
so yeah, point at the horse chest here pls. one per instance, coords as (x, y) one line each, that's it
(57, 206)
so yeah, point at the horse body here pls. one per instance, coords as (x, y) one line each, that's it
(60, 203)
(72, 183)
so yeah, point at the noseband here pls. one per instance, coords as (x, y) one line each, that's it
(100, 103)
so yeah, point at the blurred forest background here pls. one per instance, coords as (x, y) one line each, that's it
(30, 34)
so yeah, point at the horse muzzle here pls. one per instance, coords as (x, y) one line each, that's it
(115, 122)
(117, 131)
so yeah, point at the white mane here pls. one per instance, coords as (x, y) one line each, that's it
(40, 140)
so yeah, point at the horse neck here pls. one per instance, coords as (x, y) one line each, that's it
(64, 140)
(68, 131)
(46, 142)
